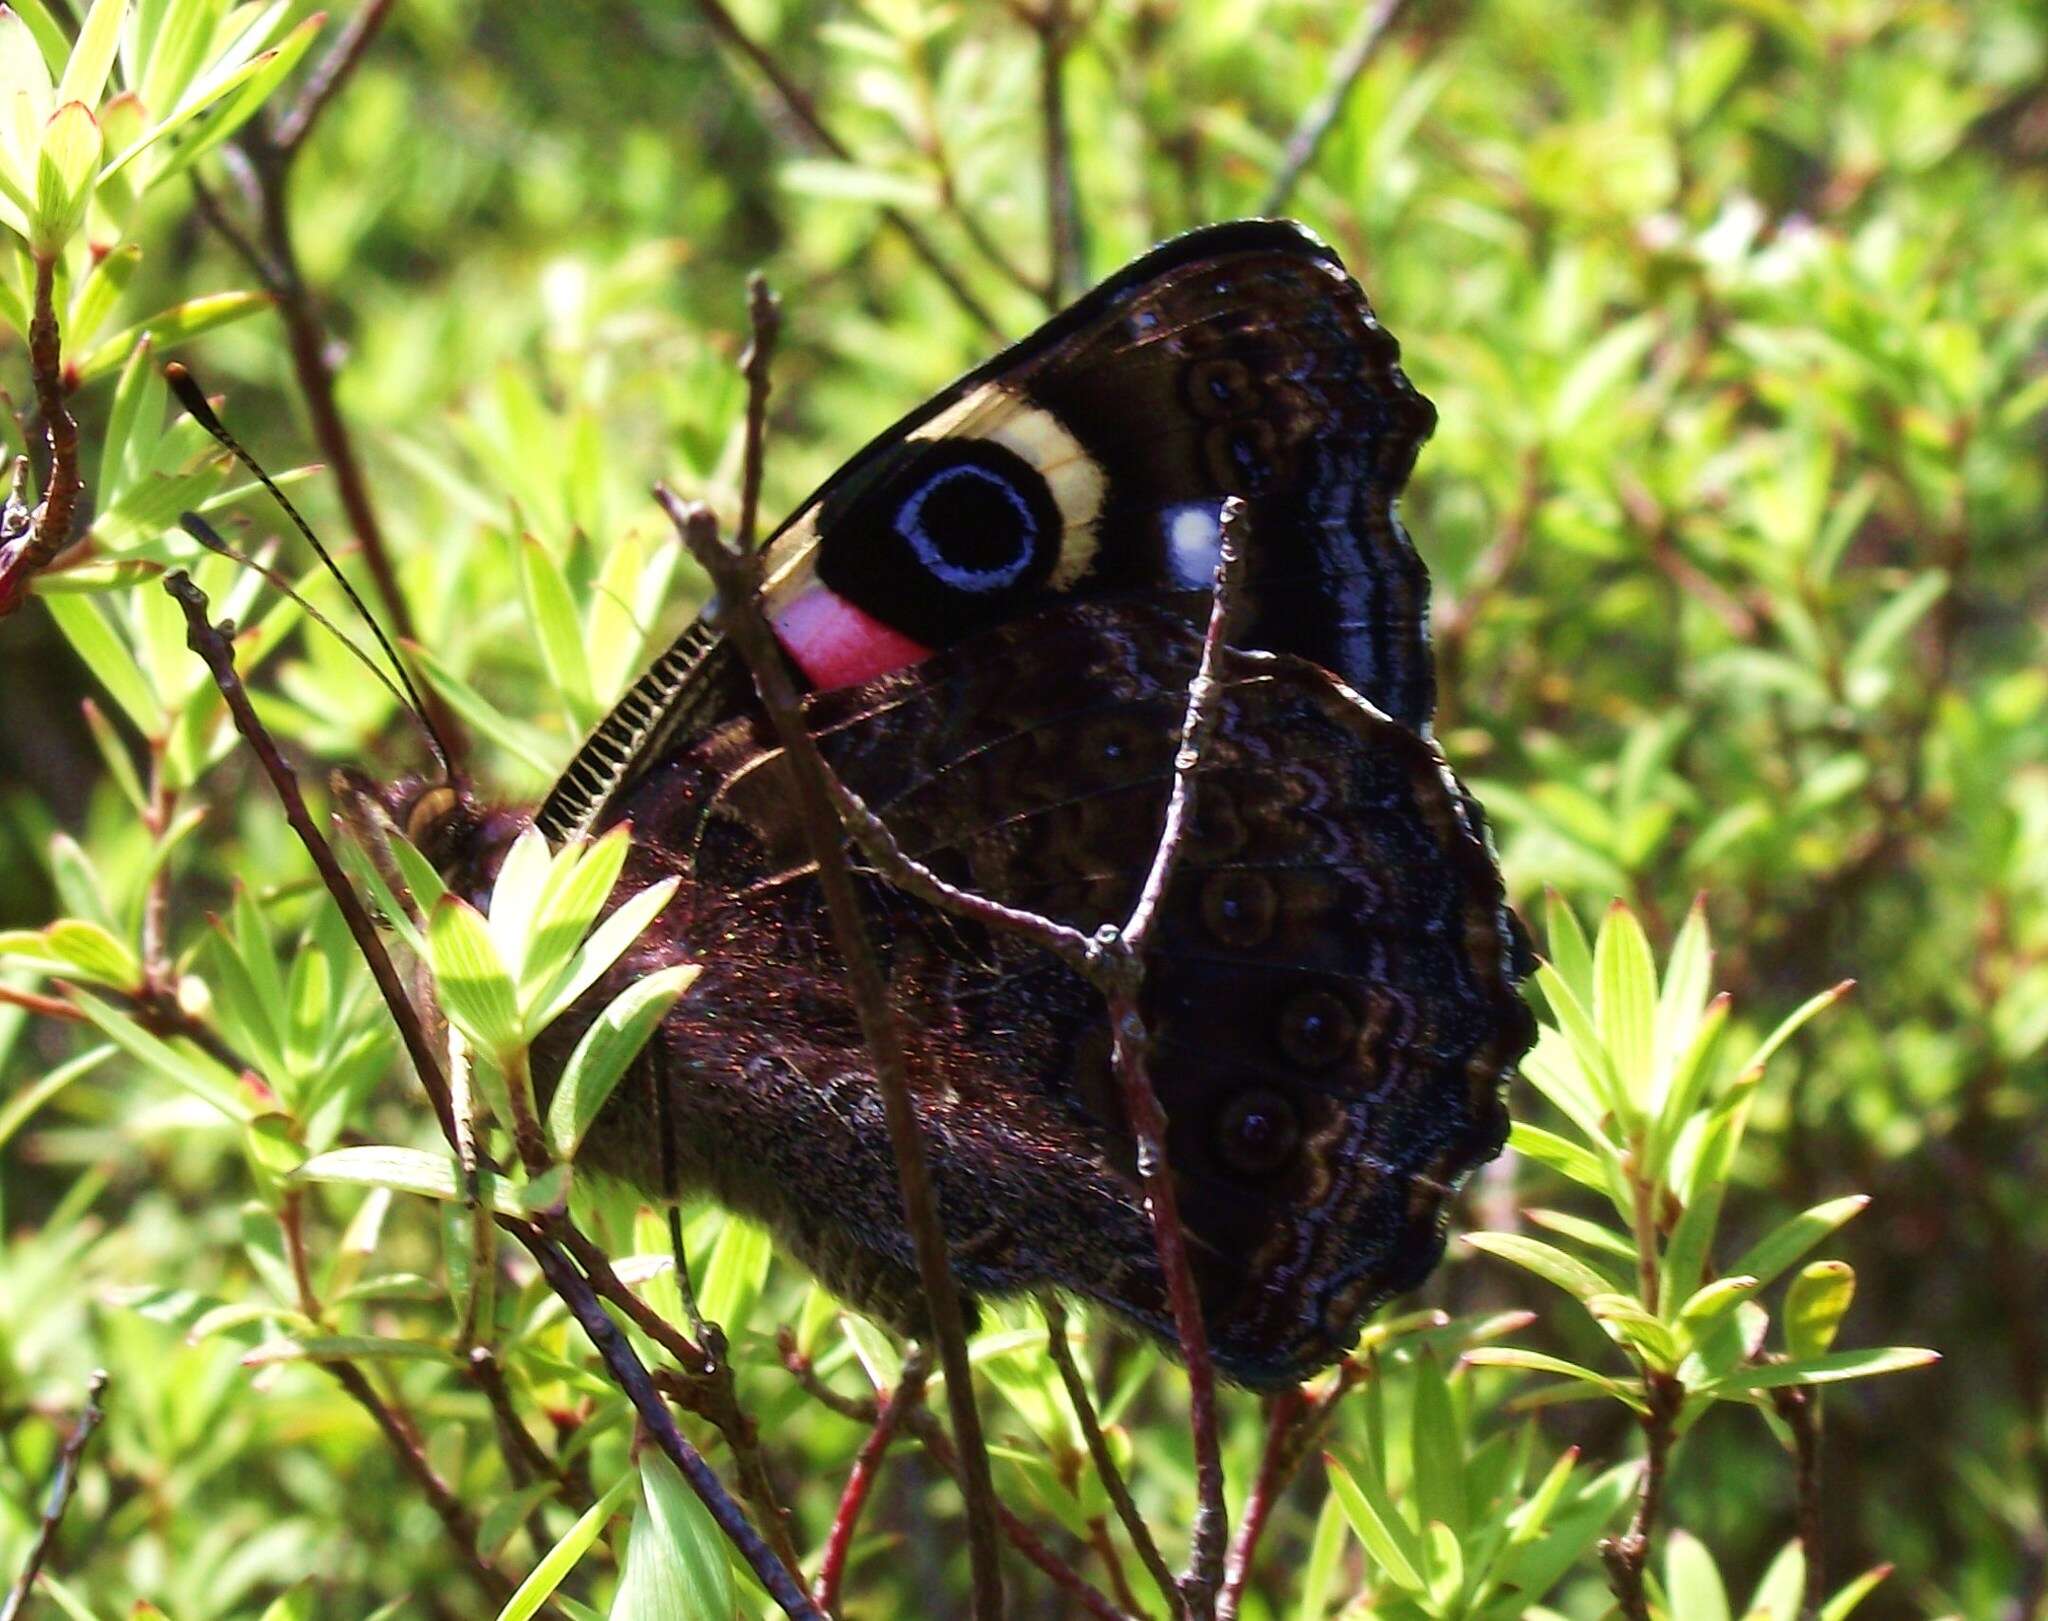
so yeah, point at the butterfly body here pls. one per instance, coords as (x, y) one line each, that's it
(997, 608)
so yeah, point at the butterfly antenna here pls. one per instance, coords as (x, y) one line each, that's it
(193, 398)
(209, 537)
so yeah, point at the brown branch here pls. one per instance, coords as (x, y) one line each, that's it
(213, 645)
(867, 1464)
(628, 1373)
(1284, 1415)
(289, 131)
(706, 1386)
(267, 148)
(1053, 22)
(798, 103)
(62, 1484)
(1123, 956)
(1626, 1555)
(737, 576)
(1799, 1407)
(1345, 70)
(1098, 1452)
(29, 549)
(405, 1444)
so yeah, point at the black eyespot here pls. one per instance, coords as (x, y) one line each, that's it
(956, 537)
(975, 516)
(1316, 1028)
(1239, 908)
(971, 527)
(1257, 1132)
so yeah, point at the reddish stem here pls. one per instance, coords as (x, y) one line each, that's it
(867, 1464)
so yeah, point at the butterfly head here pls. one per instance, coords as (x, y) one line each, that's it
(464, 839)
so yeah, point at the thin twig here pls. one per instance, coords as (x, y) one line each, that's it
(628, 1373)
(25, 555)
(1284, 1415)
(291, 128)
(1053, 22)
(1123, 953)
(860, 1480)
(737, 577)
(404, 1439)
(1799, 1407)
(1626, 1555)
(798, 103)
(1098, 1452)
(62, 1484)
(214, 646)
(267, 148)
(1345, 70)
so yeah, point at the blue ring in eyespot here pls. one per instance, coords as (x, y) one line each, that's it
(910, 525)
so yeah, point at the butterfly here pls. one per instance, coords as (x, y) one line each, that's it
(995, 609)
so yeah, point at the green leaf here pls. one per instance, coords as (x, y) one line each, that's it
(1547, 1261)
(1378, 1524)
(1793, 1022)
(522, 877)
(1438, 1449)
(1560, 1154)
(737, 1270)
(85, 627)
(1769, 1258)
(342, 1348)
(92, 58)
(1876, 646)
(1844, 1602)
(192, 1070)
(469, 977)
(1589, 1233)
(1690, 1081)
(1830, 1368)
(1320, 1572)
(1580, 1030)
(564, 1556)
(1569, 952)
(1682, 999)
(170, 326)
(15, 1111)
(64, 175)
(1815, 1305)
(578, 885)
(1509, 1356)
(1783, 1588)
(94, 952)
(675, 1558)
(1625, 1001)
(607, 942)
(551, 611)
(1691, 1579)
(601, 1057)
(1527, 1522)
(404, 1170)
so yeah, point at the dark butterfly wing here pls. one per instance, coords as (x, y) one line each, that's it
(1090, 462)
(998, 606)
(1329, 989)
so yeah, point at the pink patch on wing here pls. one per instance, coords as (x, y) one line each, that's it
(837, 644)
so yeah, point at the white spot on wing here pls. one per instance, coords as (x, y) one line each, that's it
(1194, 539)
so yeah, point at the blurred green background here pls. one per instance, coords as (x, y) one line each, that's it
(1736, 316)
